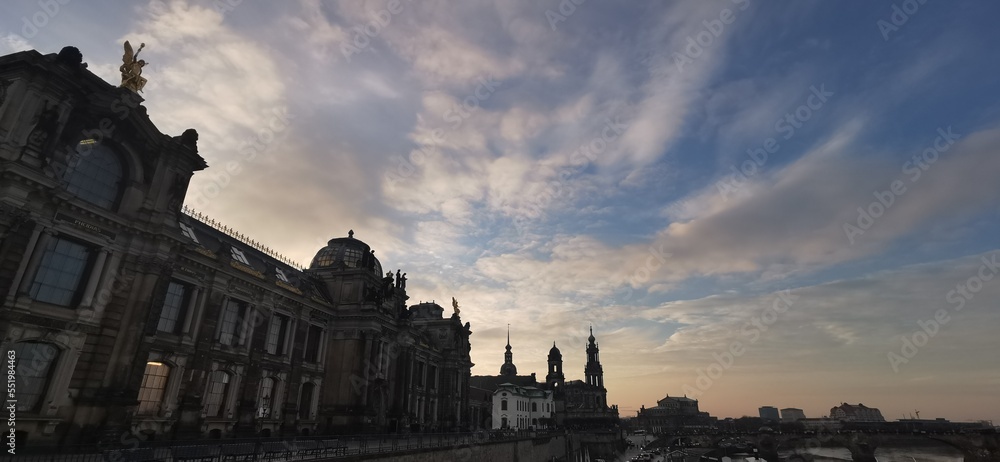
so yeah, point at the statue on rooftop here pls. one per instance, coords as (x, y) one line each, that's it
(131, 68)
(454, 305)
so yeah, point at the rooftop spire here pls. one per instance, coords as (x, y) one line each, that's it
(508, 368)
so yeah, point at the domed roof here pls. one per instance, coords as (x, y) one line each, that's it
(346, 253)
(508, 369)
(554, 353)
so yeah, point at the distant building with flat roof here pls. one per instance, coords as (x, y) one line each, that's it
(792, 414)
(769, 413)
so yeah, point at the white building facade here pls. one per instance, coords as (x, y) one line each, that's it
(522, 408)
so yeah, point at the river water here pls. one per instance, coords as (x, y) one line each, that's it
(891, 454)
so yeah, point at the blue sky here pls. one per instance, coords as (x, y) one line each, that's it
(554, 165)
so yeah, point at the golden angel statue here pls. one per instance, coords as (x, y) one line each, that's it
(454, 305)
(131, 68)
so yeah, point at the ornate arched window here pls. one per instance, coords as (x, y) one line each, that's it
(33, 365)
(95, 174)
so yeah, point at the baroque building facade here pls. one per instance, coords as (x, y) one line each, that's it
(132, 317)
(579, 404)
(671, 413)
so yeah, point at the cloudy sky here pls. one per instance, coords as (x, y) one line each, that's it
(753, 204)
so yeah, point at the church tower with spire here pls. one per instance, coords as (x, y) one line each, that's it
(508, 369)
(593, 371)
(555, 378)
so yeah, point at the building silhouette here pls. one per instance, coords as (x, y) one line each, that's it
(671, 413)
(578, 403)
(130, 316)
(792, 414)
(856, 413)
(769, 413)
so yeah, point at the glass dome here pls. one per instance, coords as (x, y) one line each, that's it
(346, 253)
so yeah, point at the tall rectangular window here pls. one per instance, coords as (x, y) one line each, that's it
(266, 399)
(32, 372)
(218, 390)
(61, 272)
(276, 334)
(432, 374)
(305, 401)
(313, 343)
(174, 308)
(231, 331)
(154, 383)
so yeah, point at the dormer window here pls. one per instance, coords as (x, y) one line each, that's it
(239, 256)
(281, 275)
(94, 174)
(189, 232)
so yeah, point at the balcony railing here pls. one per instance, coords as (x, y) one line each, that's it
(265, 449)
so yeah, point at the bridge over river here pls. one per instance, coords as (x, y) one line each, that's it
(975, 447)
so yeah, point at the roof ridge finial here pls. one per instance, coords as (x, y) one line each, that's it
(508, 334)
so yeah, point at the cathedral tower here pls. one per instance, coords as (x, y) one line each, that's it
(593, 370)
(555, 378)
(508, 368)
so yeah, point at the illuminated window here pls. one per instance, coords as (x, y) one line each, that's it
(218, 391)
(174, 307)
(239, 256)
(32, 369)
(189, 232)
(60, 273)
(94, 174)
(154, 382)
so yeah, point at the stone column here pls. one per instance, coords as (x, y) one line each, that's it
(293, 323)
(365, 369)
(191, 309)
(36, 259)
(324, 336)
(95, 277)
(105, 288)
(29, 253)
(222, 314)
